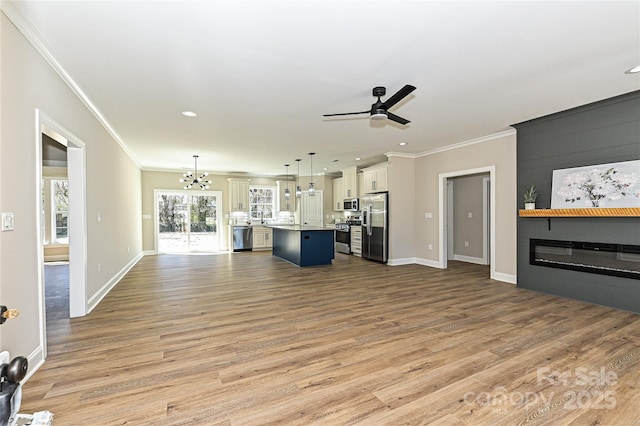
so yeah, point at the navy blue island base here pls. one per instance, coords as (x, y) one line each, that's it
(304, 245)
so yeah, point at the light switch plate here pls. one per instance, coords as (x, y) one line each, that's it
(7, 221)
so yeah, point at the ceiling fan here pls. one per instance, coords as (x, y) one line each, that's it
(379, 110)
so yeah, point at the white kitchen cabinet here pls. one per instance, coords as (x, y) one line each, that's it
(375, 178)
(350, 182)
(338, 194)
(239, 195)
(262, 238)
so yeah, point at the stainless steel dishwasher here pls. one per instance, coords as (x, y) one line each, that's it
(242, 238)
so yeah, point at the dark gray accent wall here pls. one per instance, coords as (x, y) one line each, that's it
(607, 131)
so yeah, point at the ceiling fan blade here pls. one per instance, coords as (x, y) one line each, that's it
(398, 96)
(397, 119)
(346, 113)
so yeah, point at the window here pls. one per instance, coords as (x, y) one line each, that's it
(262, 202)
(60, 211)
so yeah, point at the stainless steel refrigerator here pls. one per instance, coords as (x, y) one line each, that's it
(375, 226)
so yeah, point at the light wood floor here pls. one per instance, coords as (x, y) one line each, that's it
(248, 339)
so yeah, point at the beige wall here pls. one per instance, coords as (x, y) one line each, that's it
(112, 189)
(402, 202)
(499, 152)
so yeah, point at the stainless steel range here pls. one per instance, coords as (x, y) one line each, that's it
(343, 238)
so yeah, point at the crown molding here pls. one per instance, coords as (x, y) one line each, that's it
(27, 29)
(400, 154)
(452, 146)
(469, 142)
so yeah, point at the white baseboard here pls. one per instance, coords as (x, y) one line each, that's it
(507, 278)
(398, 262)
(149, 252)
(35, 360)
(469, 259)
(100, 294)
(428, 262)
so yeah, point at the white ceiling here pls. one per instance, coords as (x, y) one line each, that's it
(261, 74)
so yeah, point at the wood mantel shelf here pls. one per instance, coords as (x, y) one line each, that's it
(588, 212)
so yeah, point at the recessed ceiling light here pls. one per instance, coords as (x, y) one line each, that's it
(633, 70)
(402, 143)
(189, 114)
(325, 169)
(358, 158)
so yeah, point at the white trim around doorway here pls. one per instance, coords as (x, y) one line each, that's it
(77, 223)
(442, 203)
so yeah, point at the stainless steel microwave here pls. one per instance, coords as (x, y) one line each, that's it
(351, 205)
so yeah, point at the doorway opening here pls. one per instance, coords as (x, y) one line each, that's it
(446, 224)
(70, 222)
(188, 221)
(468, 218)
(55, 231)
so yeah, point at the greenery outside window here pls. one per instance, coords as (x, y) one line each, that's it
(60, 211)
(262, 202)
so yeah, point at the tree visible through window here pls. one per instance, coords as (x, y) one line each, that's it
(60, 205)
(261, 202)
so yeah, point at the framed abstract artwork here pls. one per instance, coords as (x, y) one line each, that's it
(602, 185)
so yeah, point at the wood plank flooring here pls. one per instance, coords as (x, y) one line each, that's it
(248, 339)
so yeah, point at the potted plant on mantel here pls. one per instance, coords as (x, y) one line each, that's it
(530, 196)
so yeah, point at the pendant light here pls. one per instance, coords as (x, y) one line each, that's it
(287, 193)
(192, 178)
(312, 189)
(298, 189)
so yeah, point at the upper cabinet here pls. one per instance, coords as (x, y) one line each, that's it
(239, 195)
(375, 178)
(286, 204)
(350, 182)
(338, 194)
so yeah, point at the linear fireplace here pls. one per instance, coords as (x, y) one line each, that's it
(620, 260)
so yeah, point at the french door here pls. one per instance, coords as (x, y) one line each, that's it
(188, 221)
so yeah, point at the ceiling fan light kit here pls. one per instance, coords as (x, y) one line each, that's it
(380, 110)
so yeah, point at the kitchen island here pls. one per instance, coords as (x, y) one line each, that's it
(303, 245)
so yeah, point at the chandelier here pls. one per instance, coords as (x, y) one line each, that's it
(192, 178)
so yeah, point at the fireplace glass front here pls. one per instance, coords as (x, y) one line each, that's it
(621, 260)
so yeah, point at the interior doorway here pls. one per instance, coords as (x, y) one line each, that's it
(188, 221)
(75, 219)
(55, 232)
(468, 218)
(445, 199)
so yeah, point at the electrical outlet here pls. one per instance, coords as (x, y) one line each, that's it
(430, 246)
(99, 268)
(466, 243)
(469, 215)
